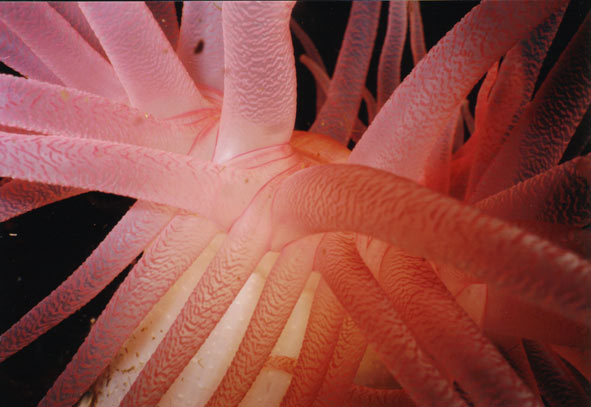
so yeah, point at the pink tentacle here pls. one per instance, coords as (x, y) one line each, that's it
(559, 195)
(259, 85)
(313, 54)
(369, 307)
(429, 310)
(426, 224)
(417, 37)
(18, 197)
(15, 54)
(282, 289)
(245, 245)
(151, 73)
(173, 251)
(138, 172)
(118, 249)
(565, 94)
(56, 110)
(70, 11)
(165, 14)
(322, 333)
(402, 134)
(362, 396)
(51, 38)
(343, 366)
(200, 46)
(337, 116)
(391, 56)
(512, 90)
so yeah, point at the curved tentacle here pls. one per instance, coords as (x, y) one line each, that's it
(18, 197)
(510, 91)
(244, 247)
(282, 289)
(138, 172)
(371, 310)
(343, 366)
(402, 135)
(338, 113)
(15, 54)
(200, 45)
(145, 62)
(424, 223)
(541, 136)
(259, 103)
(173, 251)
(56, 43)
(417, 36)
(70, 11)
(391, 56)
(56, 110)
(165, 14)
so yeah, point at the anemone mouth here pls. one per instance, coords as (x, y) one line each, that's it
(533, 222)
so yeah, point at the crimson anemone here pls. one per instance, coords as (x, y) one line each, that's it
(512, 283)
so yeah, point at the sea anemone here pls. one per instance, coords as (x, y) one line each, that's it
(444, 261)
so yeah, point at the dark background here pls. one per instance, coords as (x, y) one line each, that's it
(40, 249)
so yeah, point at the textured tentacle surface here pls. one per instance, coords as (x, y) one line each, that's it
(439, 228)
(391, 56)
(15, 54)
(337, 116)
(172, 253)
(118, 250)
(57, 44)
(132, 38)
(259, 86)
(322, 332)
(401, 136)
(18, 197)
(282, 289)
(359, 292)
(429, 309)
(56, 110)
(165, 15)
(200, 46)
(540, 138)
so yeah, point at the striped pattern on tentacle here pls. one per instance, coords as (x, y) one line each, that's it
(173, 251)
(338, 113)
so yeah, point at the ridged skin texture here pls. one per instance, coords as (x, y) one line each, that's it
(273, 267)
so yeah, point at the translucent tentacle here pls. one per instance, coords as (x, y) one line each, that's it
(166, 259)
(51, 38)
(246, 244)
(541, 136)
(417, 37)
(152, 175)
(15, 54)
(56, 110)
(337, 116)
(259, 85)
(151, 73)
(282, 289)
(70, 11)
(423, 223)
(402, 134)
(322, 332)
(165, 14)
(120, 247)
(391, 56)
(511, 90)
(343, 366)
(429, 310)
(369, 307)
(18, 197)
(200, 46)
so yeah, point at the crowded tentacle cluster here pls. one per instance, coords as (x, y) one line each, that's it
(444, 261)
